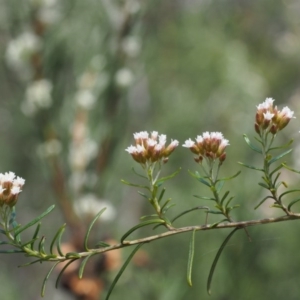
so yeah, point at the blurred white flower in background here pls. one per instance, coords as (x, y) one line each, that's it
(47, 11)
(81, 154)
(37, 96)
(85, 99)
(19, 53)
(49, 148)
(90, 205)
(132, 6)
(124, 77)
(131, 45)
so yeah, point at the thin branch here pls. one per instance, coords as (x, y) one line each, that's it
(241, 224)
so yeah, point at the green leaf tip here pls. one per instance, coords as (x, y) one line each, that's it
(142, 224)
(85, 244)
(214, 264)
(191, 259)
(122, 270)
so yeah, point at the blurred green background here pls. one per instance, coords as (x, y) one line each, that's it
(78, 78)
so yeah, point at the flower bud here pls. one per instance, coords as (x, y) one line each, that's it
(170, 148)
(222, 157)
(257, 128)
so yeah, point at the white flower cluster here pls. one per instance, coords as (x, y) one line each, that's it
(47, 11)
(210, 145)
(37, 96)
(151, 148)
(92, 83)
(49, 148)
(90, 204)
(19, 52)
(270, 118)
(124, 77)
(10, 187)
(82, 153)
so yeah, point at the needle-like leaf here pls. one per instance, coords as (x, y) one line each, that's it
(214, 264)
(191, 259)
(90, 228)
(122, 270)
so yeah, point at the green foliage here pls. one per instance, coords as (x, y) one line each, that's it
(202, 66)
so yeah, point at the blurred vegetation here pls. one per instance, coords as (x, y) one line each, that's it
(117, 67)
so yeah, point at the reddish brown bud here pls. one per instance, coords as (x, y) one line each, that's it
(257, 128)
(222, 157)
(274, 129)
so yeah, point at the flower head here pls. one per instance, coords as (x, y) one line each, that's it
(270, 119)
(10, 187)
(211, 145)
(150, 148)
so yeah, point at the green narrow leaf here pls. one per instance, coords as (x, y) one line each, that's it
(254, 148)
(122, 270)
(189, 210)
(29, 243)
(163, 179)
(204, 198)
(214, 212)
(191, 258)
(6, 243)
(228, 209)
(90, 227)
(224, 197)
(258, 140)
(35, 237)
(148, 216)
(276, 205)
(276, 178)
(265, 180)
(46, 278)
(168, 207)
(102, 244)
(250, 167)
(195, 175)
(204, 182)
(291, 169)
(276, 169)
(262, 201)
(83, 264)
(42, 245)
(18, 231)
(292, 203)
(62, 271)
(72, 255)
(143, 195)
(263, 185)
(231, 177)
(165, 204)
(13, 217)
(279, 156)
(58, 245)
(31, 263)
(136, 185)
(214, 264)
(288, 192)
(61, 229)
(161, 195)
(145, 223)
(283, 146)
(138, 174)
(219, 186)
(10, 251)
(228, 201)
(217, 223)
